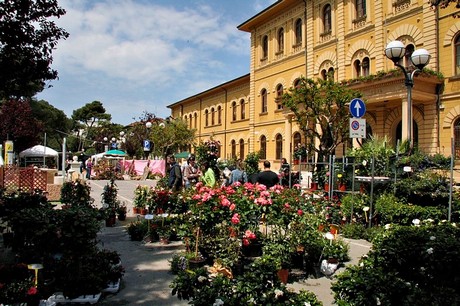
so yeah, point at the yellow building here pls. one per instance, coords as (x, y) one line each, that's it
(295, 38)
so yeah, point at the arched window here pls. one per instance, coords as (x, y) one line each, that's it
(409, 50)
(196, 120)
(457, 55)
(243, 109)
(457, 138)
(234, 111)
(281, 40)
(279, 146)
(365, 66)
(190, 120)
(213, 115)
(241, 149)
(297, 139)
(279, 96)
(233, 148)
(327, 19)
(265, 47)
(360, 8)
(219, 115)
(263, 147)
(361, 68)
(263, 98)
(298, 31)
(206, 118)
(297, 83)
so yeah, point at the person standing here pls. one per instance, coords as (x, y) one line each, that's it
(175, 174)
(285, 171)
(89, 166)
(267, 177)
(238, 175)
(208, 178)
(191, 172)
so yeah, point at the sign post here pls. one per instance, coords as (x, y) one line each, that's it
(357, 125)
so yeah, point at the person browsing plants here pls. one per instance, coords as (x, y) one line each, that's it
(208, 178)
(175, 174)
(191, 172)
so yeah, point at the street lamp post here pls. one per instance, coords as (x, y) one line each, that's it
(396, 51)
(106, 146)
(148, 126)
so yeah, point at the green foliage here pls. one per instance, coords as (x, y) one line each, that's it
(391, 209)
(377, 149)
(425, 188)
(29, 36)
(55, 123)
(137, 230)
(170, 136)
(76, 193)
(110, 200)
(417, 264)
(337, 249)
(354, 231)
(251, 163)
(321, 103)
(355, 202)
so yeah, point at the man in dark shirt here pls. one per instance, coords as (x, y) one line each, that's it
(175, 174)
(267, 177)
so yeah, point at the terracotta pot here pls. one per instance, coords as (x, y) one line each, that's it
(136, 210)
(326, 187)
(144, 211)
(342, 187)
(296, 161)
(283, 275)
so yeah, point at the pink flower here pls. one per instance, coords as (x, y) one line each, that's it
(232, 207)
(287, 206)
(250, 235)
(224, 201)
(300, 212)
(236, 219)
(245, 242)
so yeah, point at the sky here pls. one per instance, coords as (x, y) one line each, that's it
(143, 55)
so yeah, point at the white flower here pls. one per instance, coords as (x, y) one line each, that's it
(201, 278)
(430, 251)
(377, 302)
(416, 222)
(387, 226)
(366, 208)
(432, 238)
(429, 220)
(251, 300)
(278, 293)
(218, 302)
(306, 304)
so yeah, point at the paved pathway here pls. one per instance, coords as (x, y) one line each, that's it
(147, 277)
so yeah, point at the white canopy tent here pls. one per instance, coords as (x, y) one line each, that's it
(38, 155)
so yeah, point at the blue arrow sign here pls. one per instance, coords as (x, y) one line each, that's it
(357, 108)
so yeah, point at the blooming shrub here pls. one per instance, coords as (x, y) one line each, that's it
(408, 265)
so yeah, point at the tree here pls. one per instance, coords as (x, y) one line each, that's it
(55, 122)
(86, 119)
(170, 137)
(320, 108)
(18, 124)
(27, 40)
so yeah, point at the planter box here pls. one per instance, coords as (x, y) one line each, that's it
(112, 287)
(59, 298)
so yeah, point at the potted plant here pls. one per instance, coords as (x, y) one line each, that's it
(141, 196)
(121, 212)
(110, 202)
